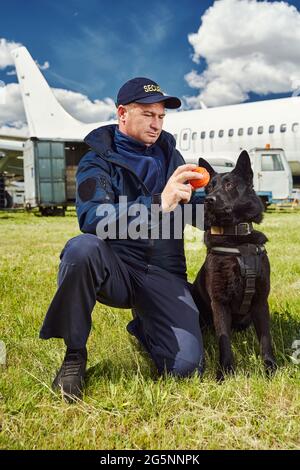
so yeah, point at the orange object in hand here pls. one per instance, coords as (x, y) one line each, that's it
(204, 181)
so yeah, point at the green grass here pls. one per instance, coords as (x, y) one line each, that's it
(126, 406)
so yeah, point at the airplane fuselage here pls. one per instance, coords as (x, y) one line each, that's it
(228, 129)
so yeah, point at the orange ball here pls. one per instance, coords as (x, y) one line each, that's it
(204, 181)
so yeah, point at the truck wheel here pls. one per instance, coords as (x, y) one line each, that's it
(44, 211)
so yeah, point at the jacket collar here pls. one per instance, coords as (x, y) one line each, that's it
(101, 140)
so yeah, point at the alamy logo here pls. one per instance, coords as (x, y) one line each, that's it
(2, 353)
(2, 93)
(131, 220)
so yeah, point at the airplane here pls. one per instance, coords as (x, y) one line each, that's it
(223, 130)
(219, 132)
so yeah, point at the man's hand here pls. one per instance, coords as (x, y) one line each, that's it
(176, 190)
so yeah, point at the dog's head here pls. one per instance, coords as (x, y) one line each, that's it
(230, 197)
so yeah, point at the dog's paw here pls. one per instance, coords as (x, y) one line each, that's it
(270, 366)
(223, 371)
(220, 376)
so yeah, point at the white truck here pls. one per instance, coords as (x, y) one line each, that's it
(272, 175)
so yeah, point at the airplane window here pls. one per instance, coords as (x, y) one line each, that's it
(175, 136)
(240, 131)
(250, 130)
(230, 132)
(283, 128)
(212, 134)
(271, 129)
(184, 139)
(194, 135)
(260, 129)
(202, 135)
(295, 127)
(221, 133)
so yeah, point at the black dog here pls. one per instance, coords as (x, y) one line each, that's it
(231, 289)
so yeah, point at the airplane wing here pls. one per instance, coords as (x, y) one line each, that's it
(16, 145)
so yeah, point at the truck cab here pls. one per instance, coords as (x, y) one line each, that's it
(271, 172)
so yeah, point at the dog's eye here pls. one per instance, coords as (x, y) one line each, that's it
(229, 186)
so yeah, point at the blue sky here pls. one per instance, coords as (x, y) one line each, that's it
(94, 46)
(218, 53)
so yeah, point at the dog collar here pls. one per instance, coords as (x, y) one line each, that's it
(244, 228)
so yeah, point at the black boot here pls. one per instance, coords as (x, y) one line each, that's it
(71, 375)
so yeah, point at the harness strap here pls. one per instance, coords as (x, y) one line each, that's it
(249, 259)
(235, 251)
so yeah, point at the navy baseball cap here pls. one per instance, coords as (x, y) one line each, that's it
(144, 90)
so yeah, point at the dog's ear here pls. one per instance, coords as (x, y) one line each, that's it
(243, 167)
(207, 166)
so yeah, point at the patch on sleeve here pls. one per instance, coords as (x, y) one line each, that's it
(103, 182)
(86, 189)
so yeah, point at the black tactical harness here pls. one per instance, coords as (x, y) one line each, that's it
(249, 257)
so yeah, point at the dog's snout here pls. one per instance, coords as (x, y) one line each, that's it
(211, 199)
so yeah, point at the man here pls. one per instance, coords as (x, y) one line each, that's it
(137, 160)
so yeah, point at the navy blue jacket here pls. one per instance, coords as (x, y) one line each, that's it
(103, 175)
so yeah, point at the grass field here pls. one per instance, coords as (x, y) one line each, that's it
(126, 406)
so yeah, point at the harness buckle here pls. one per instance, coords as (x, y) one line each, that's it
(245, 229)
(215, 230)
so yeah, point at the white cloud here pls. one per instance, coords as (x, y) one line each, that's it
(12, 114)
(16, 129)
(12, 109)
(45, 65)
(6, 59)
(11, 72)
(82, 108)
(5, 52)
(248, 46)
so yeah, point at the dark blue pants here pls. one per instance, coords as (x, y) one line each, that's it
(166, 319)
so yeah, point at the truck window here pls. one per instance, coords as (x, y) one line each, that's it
(271, 162)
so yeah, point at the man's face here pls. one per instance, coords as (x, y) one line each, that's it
(143, 122)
